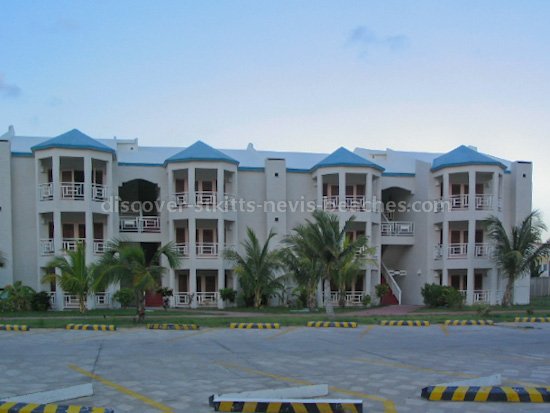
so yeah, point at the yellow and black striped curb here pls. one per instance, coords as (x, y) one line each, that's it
(469, 322)
(91, 327)
(289, 406)
(487, 394)
(173, 326)
(405, 323)
(14, 407)
(339, 324)
(14, 327)
(532, 319)
(267, 326)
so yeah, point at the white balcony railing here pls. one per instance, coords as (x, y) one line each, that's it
(457, 250)
(205, 198)
(397, 228)
(356, 203)
(71, 244)
(182, 249)
(139, 224)
(484, 202)
(71, 301)
(45, 191)
(47, 247)
(182, 198)
(229, 202)
(72, 191)
(459, 201)
(99, 192)
(483, 249)
(352, 298)
(207, 249)
(208, 299)
(183, 299)
(99, 246)
(438, 251)
(52, 295)
(102, 300)
(330, 203)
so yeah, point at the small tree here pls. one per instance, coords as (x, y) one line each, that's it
(257, 268)
(75, 277)
(19, 296)
(515, 252)
(127, 262)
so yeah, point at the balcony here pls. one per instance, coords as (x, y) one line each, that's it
(183, 299)
(484, 296)
(331, 203)
(208, 299)
(99, 246)
(397, 228)
(205, 198)
(47, 247)
(483, 250)
(45, 191)
(73, 191)
(99, 192)
(356, 203)
(207, 249)
(182, 198)
(71, 244)
(182, 249)
(352, 298)
(71, 301)
(144, 224)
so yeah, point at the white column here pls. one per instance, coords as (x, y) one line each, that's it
(445, 276)
(472, 190)
(221, 248)
(369, 194)
(367, 282)
(446, 185)
(471, 239)
(87, 178)
(56, 178)
(445, 246)
(493, 286)
(58, 242)
(171, 188)
(494, 191)
(220, 187)
(470, 286)
(191, 185)
(320, 191)
(171, 238)
(193, 286)
(341, 190)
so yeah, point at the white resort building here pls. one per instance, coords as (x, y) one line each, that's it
(423, 212)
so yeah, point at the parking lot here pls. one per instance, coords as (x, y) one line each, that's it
(139, 370)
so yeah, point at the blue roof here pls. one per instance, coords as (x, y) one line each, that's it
(462, 156)
(343, 157)
(74, 139)
(200, 151)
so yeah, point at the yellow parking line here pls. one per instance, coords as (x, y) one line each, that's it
(389, 405)
(124, 390)
(366, 330)
(282, 332)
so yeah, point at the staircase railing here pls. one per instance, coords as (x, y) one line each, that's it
(396, 290)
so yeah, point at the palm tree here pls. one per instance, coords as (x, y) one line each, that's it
(514, 253)
(123, 262)
(323, 241)
(75, 277)
(256, 269)
(19, 296)
(303, 269)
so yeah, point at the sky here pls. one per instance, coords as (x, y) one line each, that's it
(285, 75)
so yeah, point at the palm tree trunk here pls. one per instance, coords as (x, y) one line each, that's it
(311, 298)
(507, 298)
(342, 297)
(328, 302)
(140, 302)
(257, 299)
(81, 304)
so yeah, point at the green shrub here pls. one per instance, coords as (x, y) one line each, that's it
(228, 294)
(366, 300)
(125, 296)
(381, 290)
(441, 296)
(483, 310)
(18, 297)
(41, 301)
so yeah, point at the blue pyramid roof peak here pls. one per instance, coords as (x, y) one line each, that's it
(73, 139)
(200, 151)
(463, 156)
(344, 157)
